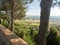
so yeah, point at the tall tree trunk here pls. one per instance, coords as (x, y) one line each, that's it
(0, 20)
(0, 17)
(9, 24)
(44, 21)
(12, 6)
(6, 17)
(3, 21)
(11, 20)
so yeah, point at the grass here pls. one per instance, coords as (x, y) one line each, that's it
(23, 30)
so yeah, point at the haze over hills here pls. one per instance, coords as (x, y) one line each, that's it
(52, 18)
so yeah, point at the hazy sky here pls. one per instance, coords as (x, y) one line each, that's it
(34, 9)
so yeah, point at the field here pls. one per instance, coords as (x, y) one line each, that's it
(28, 29)
(36, 22)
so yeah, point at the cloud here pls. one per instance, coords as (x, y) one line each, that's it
(55, 11)
(33, 12)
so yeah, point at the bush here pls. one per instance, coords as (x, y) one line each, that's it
(29, 40)
(52, 38)
(59, 39)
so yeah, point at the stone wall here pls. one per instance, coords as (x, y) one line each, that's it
(9, 38)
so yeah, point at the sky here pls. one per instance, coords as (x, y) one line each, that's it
(34, 9)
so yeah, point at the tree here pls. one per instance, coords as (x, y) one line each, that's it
(22, 3)
(0, 14)
(0, 17)
(44, 21)
(4, 9)
(17, 9)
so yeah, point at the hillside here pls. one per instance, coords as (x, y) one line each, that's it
(52, 18)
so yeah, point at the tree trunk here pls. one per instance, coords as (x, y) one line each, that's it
(9, 24)
(6, 17)
(11, 20)
(44, 21)
(3, 21)
(0, 20)
(12, 6)
(0, 17)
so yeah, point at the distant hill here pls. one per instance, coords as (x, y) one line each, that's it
(55, 18)
(32, 17)
(52, 18)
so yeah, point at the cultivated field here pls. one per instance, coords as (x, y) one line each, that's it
(36, 22)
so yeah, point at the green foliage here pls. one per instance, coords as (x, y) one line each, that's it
(5, 22)
(14, 9)
(19, 10)
(59, 40)
(18, 7)
(29, 40)
(24, 30)
(52, 37)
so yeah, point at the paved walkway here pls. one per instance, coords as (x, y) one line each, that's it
(1, 41)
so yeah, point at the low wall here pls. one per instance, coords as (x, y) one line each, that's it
(9, 38)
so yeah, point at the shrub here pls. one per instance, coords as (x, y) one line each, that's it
(59, 39)
(29, 40)
(52, 38)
